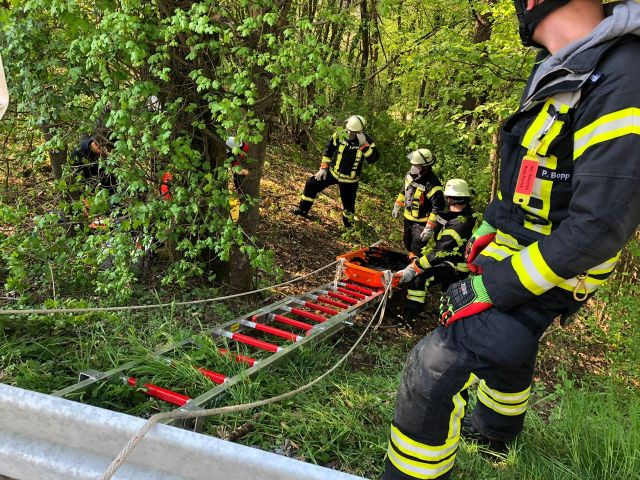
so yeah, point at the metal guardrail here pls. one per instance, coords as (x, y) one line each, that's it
(49, 438)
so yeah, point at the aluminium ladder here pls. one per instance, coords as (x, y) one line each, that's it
(310, 317)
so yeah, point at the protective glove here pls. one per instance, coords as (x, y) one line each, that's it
(362, 139)
(396, 211)
(409, 272)
(463, 299)
(427, 233)
(321, 174)
(482, 237)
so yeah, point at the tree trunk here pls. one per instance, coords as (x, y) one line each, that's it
(57, 157)
(494, 163)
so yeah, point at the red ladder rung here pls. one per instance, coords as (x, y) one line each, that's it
(238, 358)
(160, 393)
(321, 308)
(254, 342)
(344, 298)
(213, 376)
(309, 315)
(329, 301)
(292, 322)
(274, 331)
(360, 289)
(352, 293)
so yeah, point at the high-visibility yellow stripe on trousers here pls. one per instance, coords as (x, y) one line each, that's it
(423, 461)
(509, 404)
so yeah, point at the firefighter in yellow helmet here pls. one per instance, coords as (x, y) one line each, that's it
(342, 163)
(444, 262)
(420, 200)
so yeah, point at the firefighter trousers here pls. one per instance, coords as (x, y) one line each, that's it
(347, 195)
(443, 274)
(495, 349)
(411, 236)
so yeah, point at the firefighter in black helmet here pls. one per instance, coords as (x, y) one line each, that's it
(568, 202)
(342, 163)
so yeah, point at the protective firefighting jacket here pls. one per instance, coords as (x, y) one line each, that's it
(569, 197)
(345, 157)
(452, 232)
(421, 197)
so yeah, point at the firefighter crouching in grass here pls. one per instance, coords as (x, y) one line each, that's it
(342, 163)
(444, 263)
(547, 242)
(421, 200)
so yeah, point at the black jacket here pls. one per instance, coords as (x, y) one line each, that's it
(585, 202)
(452, 233)
(421, 197)
(345, 157)
(87, 163)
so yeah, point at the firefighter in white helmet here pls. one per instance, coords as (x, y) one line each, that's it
(444, 263)
(341, 164)
(420, 199)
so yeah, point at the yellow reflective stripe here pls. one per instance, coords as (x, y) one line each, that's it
(497, 252)
(339, 157)
(533, 271)
(424, 262)
(308, 199)
(605, 267)
(507, 240)
(453, 234)
(589, 283)
(422, 451)
(326, 160)
(433, 217)
(418, 469)
(369, 151)
(433, 191)
(343, 178)
(508, 410)
(516, 397)
(400, 199)
(530, 139)
(408, 214)
(416, 295)
(607, 127)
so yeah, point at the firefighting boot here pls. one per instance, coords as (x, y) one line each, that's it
(470, 432)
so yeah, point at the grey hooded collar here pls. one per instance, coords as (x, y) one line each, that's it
(573, 64)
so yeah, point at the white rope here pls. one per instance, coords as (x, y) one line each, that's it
(387, 282)
(44, 311)
(339, 272)
(177, 414)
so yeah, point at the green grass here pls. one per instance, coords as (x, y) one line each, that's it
(585, 424)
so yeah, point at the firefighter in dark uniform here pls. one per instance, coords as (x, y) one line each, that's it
(444, 263)
(342, 163)
(86, 159)
(421, 200)
(568, 202)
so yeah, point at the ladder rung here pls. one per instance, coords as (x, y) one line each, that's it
(352, 293)
(254, 342)
(358, 288)
(344, 298)
(273, 331)
(238, 358)
(160, 393)
(321, 308)
(309, 315)
(213, 376)
(329, 301)
(292, 322)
